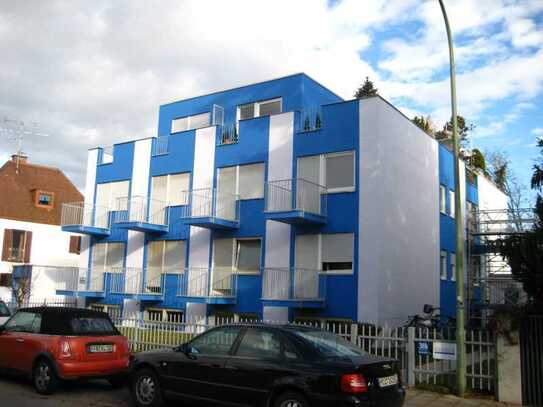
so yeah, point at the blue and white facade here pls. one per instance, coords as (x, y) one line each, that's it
(275, 201)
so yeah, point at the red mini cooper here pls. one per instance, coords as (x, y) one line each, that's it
(48, 344)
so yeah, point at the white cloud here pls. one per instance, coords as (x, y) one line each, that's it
(538, 131)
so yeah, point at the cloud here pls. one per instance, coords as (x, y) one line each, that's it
(538, 131)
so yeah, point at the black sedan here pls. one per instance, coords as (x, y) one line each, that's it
(268, 366)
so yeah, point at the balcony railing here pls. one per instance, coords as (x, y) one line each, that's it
(293, 284)
(107, 155)
(211, 207)
(161, 145)
(85, 218)
(303, 199)
(502, 290)
(216, 285)
(137, 282)
(228, 134)
(142, 213)
(79, 280)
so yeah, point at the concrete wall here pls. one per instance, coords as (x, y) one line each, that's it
(509, 372)
(398, 216)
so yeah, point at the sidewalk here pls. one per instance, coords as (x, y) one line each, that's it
(421, 398)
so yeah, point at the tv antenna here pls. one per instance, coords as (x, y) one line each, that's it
(16, 131)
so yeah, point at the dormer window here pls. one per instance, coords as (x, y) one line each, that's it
(45, 199)
(259, 109)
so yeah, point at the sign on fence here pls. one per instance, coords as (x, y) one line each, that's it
(444, 350)
(424, 348)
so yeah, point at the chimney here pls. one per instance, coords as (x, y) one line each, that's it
(19, 158)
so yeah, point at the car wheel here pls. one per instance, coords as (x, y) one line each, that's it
(145, 389)
(291, 399)
(44, 377)
(117, 381)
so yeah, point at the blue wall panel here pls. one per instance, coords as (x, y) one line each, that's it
(121, 167)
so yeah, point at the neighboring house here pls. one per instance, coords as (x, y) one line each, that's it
(31, 198)
(277, 201)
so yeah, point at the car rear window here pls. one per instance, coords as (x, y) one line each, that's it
(87, 325)
(4, 311)
(328, 344)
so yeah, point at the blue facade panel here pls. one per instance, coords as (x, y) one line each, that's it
(121, 167)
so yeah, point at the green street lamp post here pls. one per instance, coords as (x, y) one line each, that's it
(460, 329)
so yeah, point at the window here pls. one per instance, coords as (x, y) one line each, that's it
(259, 109)
(442, 199)
(216, 342)
(337, 252)
(113, 196)
(248, 255)
(6, 280)
(165, 256)
(443, 265)
(107, 257)
(170, 190)
(453, 267)
(4, 310)
(339, 172)
(245, 180)
(44, 199)
(24, 322)
(17, 246)
(335, 170)
(259, 343)
(451, 204)
(190, 122)
(75, 245)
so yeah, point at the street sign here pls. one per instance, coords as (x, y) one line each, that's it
(444, 350)
(423, 348)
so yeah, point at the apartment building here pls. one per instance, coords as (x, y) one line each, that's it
(278, 201)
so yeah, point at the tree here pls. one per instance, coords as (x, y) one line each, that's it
(367, 89)
(425, 124)
(478, 160)
(524, 252)
(464, 129)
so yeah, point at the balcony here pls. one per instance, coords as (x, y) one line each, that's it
(136, 283)
(210, 286)
(88, 219)
(81, 282)
(296, 201)
(294, 287)
(142, 214)
(310, 119)
(211, 208)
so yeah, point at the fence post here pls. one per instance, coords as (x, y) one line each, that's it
(212, 320)
(410, 356)
(354, 334)
(236, 318)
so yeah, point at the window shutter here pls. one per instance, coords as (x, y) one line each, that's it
(28, 247)
(75, 244)
(8, 241)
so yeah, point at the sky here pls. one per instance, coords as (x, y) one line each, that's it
(94, 73)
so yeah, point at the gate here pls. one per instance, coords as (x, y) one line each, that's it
(531, 360)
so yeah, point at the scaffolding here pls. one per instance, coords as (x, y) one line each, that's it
(491, 284)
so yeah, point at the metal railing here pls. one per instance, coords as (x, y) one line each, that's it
(107, 155)
(77, 279)
(502, 290)
(211, 203)
(135, 281)
(142, 209)
(310, 119)
(298, 284)
(82, 214)
(295, 194)
(207, 283)
(161, 145)
(228, 134)
(502, 221)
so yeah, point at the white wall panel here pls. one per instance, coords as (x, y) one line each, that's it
(398, 216)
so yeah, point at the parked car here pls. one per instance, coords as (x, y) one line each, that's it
(4, 313)
(266, 365)
(47, 344)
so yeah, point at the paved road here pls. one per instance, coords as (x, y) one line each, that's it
(98, 393)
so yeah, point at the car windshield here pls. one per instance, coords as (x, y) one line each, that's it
(329, 345)
(4, 311)
(92, 325)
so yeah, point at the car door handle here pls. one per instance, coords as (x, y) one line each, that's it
(19, 340)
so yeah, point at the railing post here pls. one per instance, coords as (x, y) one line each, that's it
(410, 356)
(354, 334)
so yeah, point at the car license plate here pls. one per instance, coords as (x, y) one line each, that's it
(388, 381)
(100, 348)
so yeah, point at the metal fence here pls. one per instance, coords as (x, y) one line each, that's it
(296, 194)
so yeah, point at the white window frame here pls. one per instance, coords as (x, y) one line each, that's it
(105, 265)
(162, 270)
(452, 206)
(443, 264)
(237, 167)
(168, 189)
(442, 199)
(257, 108)
(189, 127)
(112, 204)
(453, 266)
(322, 170)
(235, 257)
(319, 255)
